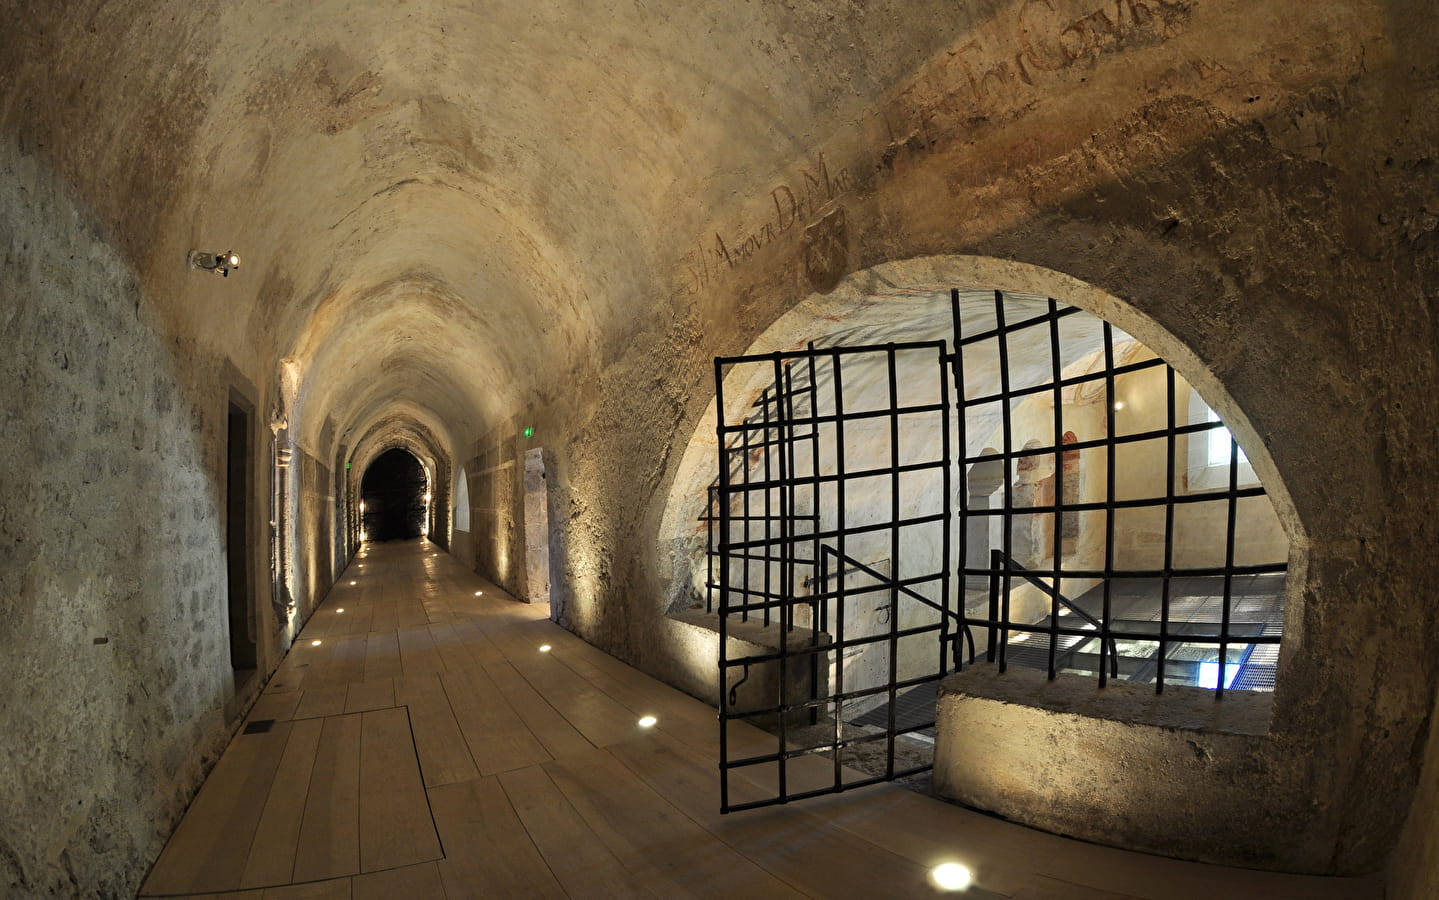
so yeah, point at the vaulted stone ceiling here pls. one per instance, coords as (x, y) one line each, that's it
(456, 206)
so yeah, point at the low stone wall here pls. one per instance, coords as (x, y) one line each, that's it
(1184, 775)
(758, 687)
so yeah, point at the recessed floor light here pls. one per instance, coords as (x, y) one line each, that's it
(340, 610)
(479, 593)
(647, 721)
(314, 643)
(544, 648)
(951, 877)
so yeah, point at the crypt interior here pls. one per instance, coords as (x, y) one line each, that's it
(714, 449)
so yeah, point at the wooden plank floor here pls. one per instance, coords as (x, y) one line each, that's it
(420, 746)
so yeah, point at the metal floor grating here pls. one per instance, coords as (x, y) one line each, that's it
(913, 707)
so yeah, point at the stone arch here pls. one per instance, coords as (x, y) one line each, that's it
(878, 292)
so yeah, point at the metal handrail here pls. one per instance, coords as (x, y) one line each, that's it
(1107, 645)
(891, 583)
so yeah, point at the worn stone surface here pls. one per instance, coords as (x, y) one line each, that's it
(458, 222)
(114, 652)
(1122, 765)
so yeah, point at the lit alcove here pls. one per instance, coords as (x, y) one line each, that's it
(1082, 512)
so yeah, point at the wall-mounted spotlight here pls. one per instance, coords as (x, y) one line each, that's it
(221, 264)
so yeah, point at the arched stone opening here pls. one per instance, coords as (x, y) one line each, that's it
(909, 301)
(394, 494)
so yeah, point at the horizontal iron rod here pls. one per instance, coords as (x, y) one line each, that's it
(1011, 327)
(832, 418)
(1097, 443)
(1142, 503)
(1150, 636)
(797, 354)
(1256, 569)
(1072, 381)
(774, 484)
(726, 549)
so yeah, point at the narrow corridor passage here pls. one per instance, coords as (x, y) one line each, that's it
(418, 743)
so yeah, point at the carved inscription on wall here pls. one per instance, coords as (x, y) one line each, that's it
(993, 74)
(790, 208)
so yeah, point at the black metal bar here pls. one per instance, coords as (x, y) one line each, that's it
(1169, 489)
(839, 532)
(816, 614)
(1002, 330)
(1138, 503)
(1071, 381)
(1057, 598)
(832, 417)
(887, 580)
(838, 477)
(951, 362)
(1182, 637)
(724, 492)
(1229, 525)
(894, 561)
(1058, 515)
(1007, 538)
(831, 352)
(787, 556)
(724, 583)
(1135, 438)
(823, 701)
(840, 611)
(1135, 574)
(1110, 472)
(787, 587)
(756, 444)
(713, 494)
(769, 517)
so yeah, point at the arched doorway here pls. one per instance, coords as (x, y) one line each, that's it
(869, 440)
(394, 499)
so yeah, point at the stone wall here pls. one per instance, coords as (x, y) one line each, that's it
(115, 684)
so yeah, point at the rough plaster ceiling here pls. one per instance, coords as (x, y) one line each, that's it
(454, 207)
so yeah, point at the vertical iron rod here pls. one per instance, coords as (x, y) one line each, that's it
(818, 615)
(1233, 512)
(1057, 376)
(839, 606)
(748, 518)
(1111, 430)
(1007, 538)
(785, 550)
(1170, 440)
(769, 435)
(956, 369)
(724, 523)
(894, 570)
(946, 489)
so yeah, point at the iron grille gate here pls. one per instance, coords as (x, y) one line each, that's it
(848, 454)
(819, 618)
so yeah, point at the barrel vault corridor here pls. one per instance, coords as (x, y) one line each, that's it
(485, 322)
